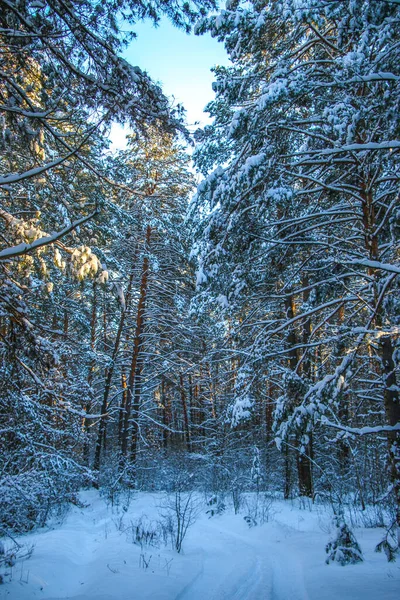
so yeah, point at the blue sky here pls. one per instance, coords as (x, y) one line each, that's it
(180, 62)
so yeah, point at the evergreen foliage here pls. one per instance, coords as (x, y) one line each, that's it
(244, 339)
(298, 209)
(344, 548)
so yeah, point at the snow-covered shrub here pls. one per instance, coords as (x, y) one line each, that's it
(40, 441)
(158, 473)
(216, 506)
(9, 556)
(343, 548)
(114, 483)
(30, 498)
(237, 498)
(390, 545)
(220, 472)
(259, 509)
(251, 522)
(144, 532)
(256, 469)
(178, 512)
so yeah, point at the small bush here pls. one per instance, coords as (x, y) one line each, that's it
(145, 532)
(389, 545)
(216, 506)
(9, 556)
(115, 484)
(259, 509)
(178, 512)
(28, 499)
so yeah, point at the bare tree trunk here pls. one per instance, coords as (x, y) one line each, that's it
(392, 411)
(304, 470)
(212, 399)
(166, 409)
(190, 408)
(291, 339)
(124, 387)
(185, 413)
(65, 322)
(138, 340)
(391, 394)
(110, 370)
(202, 412)
(90, 398)
(105, 335)
(269, 412)
(135, 413)
(288, 474)
(304, 459)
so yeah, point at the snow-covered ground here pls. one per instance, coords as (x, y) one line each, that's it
(91, 556)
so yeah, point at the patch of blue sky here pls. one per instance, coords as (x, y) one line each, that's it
(181, 63)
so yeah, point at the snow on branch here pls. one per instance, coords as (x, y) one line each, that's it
(374, 264)
(387, 145)
(20, 249)
(33, 172)
(361, 430)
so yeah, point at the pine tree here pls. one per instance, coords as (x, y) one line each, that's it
(298, 225)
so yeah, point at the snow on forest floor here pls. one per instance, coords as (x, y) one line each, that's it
(91, 556)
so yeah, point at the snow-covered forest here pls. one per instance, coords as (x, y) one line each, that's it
(199, 333)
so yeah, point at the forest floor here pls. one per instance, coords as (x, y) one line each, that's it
(91, 556)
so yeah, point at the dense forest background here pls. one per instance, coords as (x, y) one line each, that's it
(244, 338)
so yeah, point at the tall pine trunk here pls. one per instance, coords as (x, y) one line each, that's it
(111, 368)
(391, 397)
(130, 429)
(291, 340)
(304, 458)
(92, 365)
(392, 412)
(185, 413)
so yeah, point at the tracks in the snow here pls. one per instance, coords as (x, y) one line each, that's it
(240, 568)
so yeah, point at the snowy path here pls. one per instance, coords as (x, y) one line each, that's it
(236, 569)
(231, 569)
(88, 558)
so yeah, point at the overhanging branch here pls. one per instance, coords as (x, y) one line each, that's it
(20, 249)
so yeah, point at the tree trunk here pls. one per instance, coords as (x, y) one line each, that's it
(110, 370)
(304, 470)
(166, 410)
(191, 401)
(391, 393)
(65, 323)
(288, 475)
(304, 459)
(124, 387)
(392, 411)
(291, 340)
(137, 344)
(92, 365)
(185, 413)
(135, 413)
